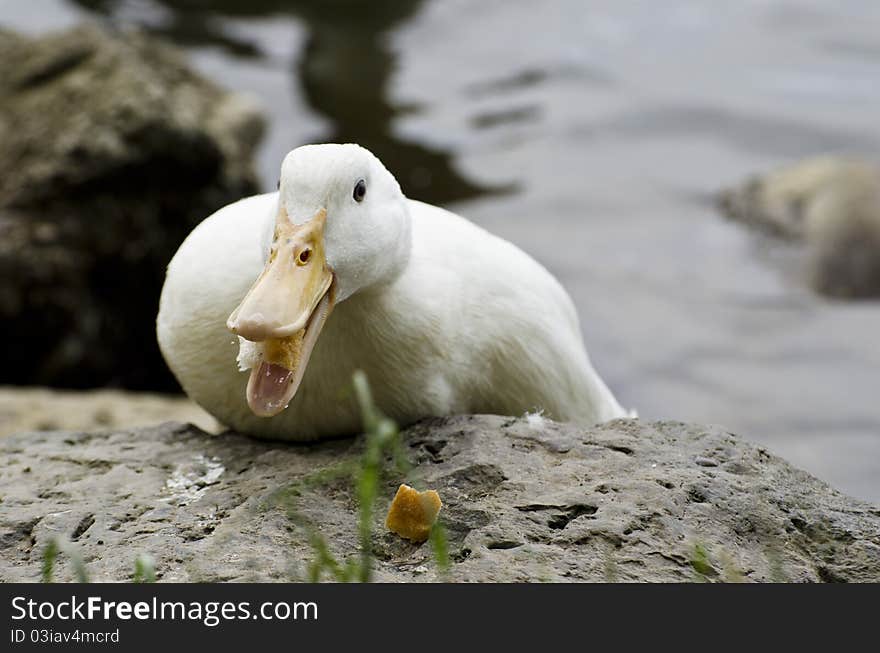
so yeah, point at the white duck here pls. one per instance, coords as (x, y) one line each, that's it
(444, 317)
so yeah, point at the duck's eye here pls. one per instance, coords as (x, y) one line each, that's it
(360, 190)
(304, 256)
(278, 185)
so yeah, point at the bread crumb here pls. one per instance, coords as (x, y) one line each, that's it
(413, 513)
(249, 354)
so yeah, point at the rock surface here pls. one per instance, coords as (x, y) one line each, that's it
(832, 204)
(625, 501)
(113, 150)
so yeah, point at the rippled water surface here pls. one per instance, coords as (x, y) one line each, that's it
(593, 135)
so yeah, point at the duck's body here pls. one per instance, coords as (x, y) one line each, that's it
(468, 324)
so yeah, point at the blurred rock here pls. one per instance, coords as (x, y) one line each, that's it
(624, 501)
(43, 409)
(833, 205)
(112, 150)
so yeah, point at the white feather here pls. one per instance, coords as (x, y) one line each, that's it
(536, 421)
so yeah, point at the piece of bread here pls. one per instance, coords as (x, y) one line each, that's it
(413, 513)
(285, 352)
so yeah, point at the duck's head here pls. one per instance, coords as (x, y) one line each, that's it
(341, 226)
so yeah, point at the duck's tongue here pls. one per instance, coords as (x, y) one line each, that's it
(269, 388)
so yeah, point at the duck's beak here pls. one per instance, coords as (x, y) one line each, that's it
(286, 309)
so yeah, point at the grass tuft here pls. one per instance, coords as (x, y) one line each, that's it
(700, 562)
(50, 553)
(50, 558)
(440, 547)
(144, 569)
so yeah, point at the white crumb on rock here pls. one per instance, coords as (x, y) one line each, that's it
(190, 480)
(536, 420)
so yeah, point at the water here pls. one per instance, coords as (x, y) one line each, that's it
(593, 135)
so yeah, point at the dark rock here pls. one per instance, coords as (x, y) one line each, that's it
(112, 150)
(218, 508)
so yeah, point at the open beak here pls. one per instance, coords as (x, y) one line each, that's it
(286, 309)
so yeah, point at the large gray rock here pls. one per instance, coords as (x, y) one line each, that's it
(111, 151)
(626, 501)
